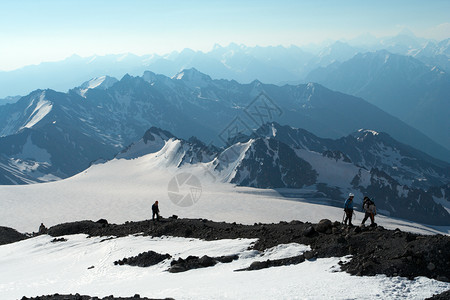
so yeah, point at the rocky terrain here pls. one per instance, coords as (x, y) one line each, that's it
(373, 250)
(9, 235)
(84, 297)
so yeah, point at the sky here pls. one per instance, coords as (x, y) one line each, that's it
(34, 31)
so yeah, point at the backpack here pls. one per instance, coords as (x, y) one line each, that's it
(369, 203)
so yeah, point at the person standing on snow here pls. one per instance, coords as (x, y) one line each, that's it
(155, 211)
(371, 211)
(348, 209)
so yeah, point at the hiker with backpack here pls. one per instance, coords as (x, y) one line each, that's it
(348, 209)
(155, 211)
(370, 211)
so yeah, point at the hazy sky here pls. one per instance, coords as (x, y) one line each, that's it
(32, 31)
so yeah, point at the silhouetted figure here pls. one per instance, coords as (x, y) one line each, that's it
(348, 208)
(155, 211)
(42, 229)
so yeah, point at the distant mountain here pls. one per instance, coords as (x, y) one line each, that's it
(70, 130)
(402, 86)
(9, 99)
(266, 161)
(233, 62)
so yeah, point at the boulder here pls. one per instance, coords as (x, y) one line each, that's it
(324, 226)
(309, 231)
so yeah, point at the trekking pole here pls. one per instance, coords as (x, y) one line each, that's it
(343, 217)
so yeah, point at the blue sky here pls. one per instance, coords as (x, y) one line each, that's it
(32, 31)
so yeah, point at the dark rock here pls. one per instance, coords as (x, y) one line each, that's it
(193, 262)
(227, 258)
(442, 296)
(145, 259)
(188, 232)
(309, 254)
(55, 240)
(177, 268)
(258, 265)
(9, 235)
(309, 231)
(206, 261)
(104, 222)
(80, 297)
(324, 225)
(431, 266)
(87, 227)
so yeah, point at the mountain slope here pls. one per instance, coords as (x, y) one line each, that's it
(402, 86)
(369, 149)
(269, 163)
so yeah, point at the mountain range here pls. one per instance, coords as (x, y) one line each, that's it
(299, 164)
(271, 64)
(403, 86)
(104, 115)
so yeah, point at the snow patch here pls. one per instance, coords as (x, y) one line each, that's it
(42, 108)
(31, 151)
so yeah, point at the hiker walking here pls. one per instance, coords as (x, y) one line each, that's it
(371, 211)
(348, 209)
(155, 211)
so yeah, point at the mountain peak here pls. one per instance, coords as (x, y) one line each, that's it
(102, 82)
(192, 76)
(363, 134)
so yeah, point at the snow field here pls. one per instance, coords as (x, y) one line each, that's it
(124, 190)
(37, 267)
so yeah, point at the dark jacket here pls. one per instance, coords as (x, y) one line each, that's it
(155, 208)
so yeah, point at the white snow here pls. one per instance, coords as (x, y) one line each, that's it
(39, 267)
(335, 173)
(373, 132)
(31, 151)
(97, 82)
(141, 148)
(123, 190)
(42, 108)
(444, 201)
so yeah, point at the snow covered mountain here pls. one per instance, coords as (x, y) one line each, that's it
(313, 169)
(401, 85)
(102, 82)
(369, 149)
(68, 131)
